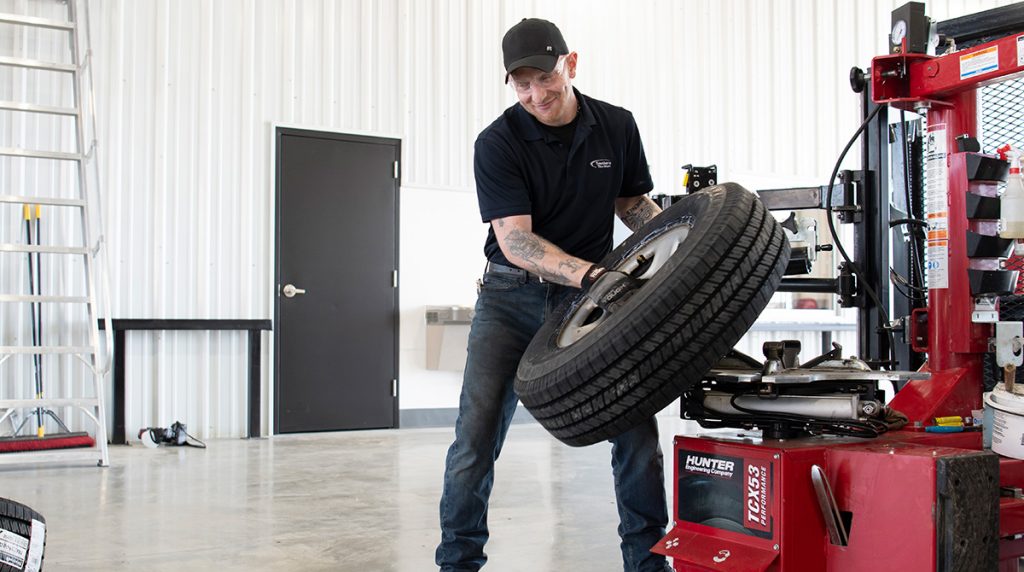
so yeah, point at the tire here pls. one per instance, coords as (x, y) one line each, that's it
(16, 518)
(718, 257)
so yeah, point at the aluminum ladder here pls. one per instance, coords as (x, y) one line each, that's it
(90, 248)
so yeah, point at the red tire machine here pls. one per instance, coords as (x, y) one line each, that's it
(913, 499)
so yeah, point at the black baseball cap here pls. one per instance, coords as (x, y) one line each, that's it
(532, 43)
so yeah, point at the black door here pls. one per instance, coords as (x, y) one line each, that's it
(337, 298)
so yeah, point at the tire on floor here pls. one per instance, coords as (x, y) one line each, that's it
(17, 552)
(728, 257)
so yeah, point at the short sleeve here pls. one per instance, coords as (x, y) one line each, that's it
(636, 178)
(500, 187)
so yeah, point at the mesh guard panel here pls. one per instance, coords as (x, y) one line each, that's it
(1002, 122)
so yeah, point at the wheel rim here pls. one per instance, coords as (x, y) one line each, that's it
(642, 263)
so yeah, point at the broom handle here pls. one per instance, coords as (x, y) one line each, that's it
(32, 305)
(39, 288)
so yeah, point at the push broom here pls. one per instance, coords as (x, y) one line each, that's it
(64, 439)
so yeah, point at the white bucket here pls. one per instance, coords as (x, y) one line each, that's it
(1007, 422)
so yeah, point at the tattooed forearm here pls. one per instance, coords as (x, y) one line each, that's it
(526, 246)
(535, 254)
(639, 213)
(570, 266)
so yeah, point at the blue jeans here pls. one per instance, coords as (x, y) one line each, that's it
(508, 313)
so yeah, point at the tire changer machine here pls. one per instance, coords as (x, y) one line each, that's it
(836, 481)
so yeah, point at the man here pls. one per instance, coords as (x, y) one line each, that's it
(550, 173)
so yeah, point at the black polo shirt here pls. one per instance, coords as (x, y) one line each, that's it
(523, 169)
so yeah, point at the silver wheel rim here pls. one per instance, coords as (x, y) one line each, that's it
(587, 316)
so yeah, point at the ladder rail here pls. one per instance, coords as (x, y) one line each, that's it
(100, 368)
(93, 154)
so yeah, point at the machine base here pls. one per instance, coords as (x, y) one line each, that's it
(908, 501)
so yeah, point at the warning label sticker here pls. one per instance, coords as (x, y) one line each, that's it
(13, 549)
(1020, 50)
(978, 63)
(937, 207)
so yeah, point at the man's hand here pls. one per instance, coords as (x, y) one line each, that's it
(591, 275)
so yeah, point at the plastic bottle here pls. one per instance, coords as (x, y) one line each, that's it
(1012, 205)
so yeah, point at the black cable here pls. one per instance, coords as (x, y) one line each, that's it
(897, 279)
(904, 293)
(839, 245)
(201, 445)
(909, 222)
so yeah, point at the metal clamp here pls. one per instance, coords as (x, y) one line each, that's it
(1008, 343)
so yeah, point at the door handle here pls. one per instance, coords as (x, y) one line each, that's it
(290, 291)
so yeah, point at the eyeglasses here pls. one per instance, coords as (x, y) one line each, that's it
(543, 81)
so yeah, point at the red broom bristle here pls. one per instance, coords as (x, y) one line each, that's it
(35, 443)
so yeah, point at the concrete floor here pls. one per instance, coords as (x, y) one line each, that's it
(356, 501)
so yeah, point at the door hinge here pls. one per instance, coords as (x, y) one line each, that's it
(394, 279)
(396, 170)
(394, 388)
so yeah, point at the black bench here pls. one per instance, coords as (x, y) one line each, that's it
(254, 327)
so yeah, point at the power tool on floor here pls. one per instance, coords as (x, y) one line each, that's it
(176, 434)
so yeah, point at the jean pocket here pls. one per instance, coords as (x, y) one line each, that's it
(497, 282)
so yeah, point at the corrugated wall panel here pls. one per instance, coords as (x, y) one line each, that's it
(188, 90)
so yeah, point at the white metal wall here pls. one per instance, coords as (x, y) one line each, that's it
(188, 91)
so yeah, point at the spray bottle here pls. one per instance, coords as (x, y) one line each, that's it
(1012, 205)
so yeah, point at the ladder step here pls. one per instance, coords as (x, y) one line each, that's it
(47, 402)
(43, 249)
(53, 201)
(37, 65)
(45, 350)
(36, 22)
(56, 299)
(60, 155)
(33, 108)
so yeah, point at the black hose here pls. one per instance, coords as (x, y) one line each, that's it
(839, 245)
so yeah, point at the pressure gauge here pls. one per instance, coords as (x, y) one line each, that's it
(899, 31)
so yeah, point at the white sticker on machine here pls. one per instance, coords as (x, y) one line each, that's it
(980, 62)
(937, 207)
(1020, 50)
(13, 549)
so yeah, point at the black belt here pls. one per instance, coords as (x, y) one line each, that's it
(512, 271)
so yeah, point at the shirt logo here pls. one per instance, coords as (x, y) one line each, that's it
(601, 164)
